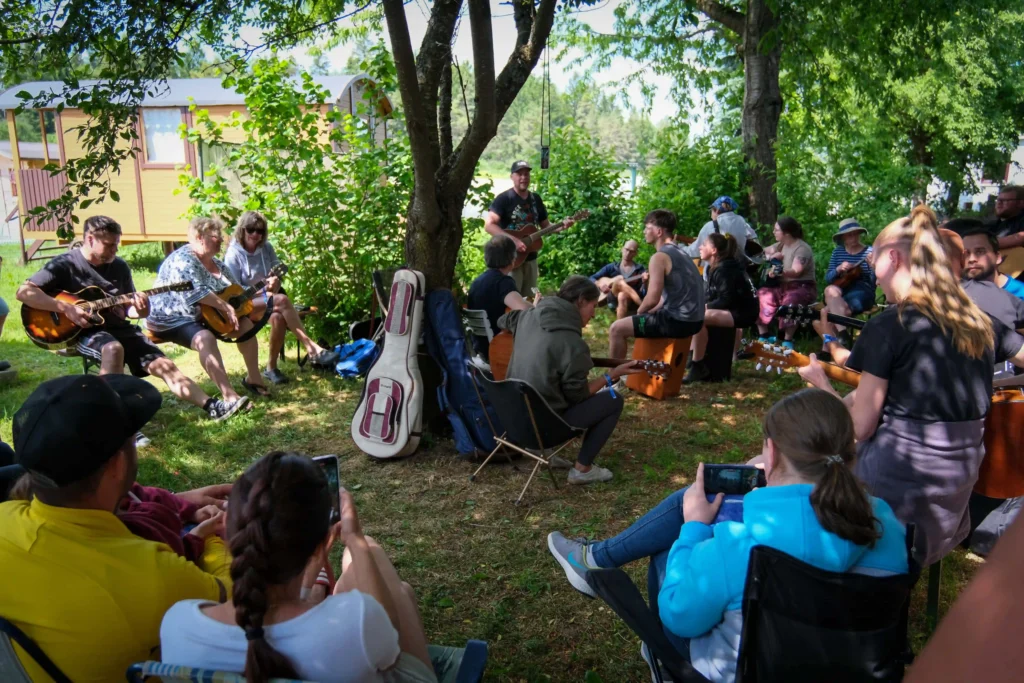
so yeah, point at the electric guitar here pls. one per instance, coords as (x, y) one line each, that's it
(500, 353)
(239, 298)
(805, 315)
(534, 238)
(54, 330)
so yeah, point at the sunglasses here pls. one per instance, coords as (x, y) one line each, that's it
(255, 231)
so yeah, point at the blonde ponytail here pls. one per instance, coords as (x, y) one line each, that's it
(934, 291)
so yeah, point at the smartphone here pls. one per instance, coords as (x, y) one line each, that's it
(732, 479)
(329, 465)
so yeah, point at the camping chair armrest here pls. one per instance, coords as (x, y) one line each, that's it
(620, 593)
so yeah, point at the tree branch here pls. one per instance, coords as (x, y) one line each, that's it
(444, 111)
(435, 50)
(726, 16)
(419, 119)
(484, 121)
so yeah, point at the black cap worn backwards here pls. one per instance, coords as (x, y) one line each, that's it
(71, 426)
(519, 166)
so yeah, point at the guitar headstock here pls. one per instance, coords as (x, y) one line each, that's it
(279, 270)
(580, 215)
(799, 314)
(770, 356)
(184, 286)
(655, 368)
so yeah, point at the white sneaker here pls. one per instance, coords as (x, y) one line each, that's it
(596, 474)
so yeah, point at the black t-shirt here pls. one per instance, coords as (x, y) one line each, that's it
(996, 301)
(71, 272)
(515, 213)
(488, 293)
(929, 379)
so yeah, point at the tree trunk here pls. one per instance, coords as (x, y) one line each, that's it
(951, 204)
(433, 236)
(921, 156)
(762, 107)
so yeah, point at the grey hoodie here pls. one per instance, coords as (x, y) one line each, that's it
(249, 268)
(549, 351)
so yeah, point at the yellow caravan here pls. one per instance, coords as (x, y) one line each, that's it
(148, 210)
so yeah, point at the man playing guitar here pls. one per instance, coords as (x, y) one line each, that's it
(513, 210)
(96, 264)
(674, 305)
(622, 283)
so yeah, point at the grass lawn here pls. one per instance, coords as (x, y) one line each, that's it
(479, 565)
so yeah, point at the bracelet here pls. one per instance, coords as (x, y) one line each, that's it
(829, 339)
(611, 385)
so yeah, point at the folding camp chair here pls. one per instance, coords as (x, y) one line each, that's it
(801, 624)
(531, 426)
(451, 664)
(477, 325)
(11, 670)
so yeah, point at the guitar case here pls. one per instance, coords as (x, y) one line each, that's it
(388, 420)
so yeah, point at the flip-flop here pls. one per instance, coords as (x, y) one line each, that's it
(257, 389)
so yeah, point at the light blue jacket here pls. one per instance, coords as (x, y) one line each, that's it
(702, 595)
(249, 268)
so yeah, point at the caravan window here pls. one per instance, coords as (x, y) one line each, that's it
(163, 142)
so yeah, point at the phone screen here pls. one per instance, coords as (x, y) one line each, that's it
(329, 465)
(732, 479)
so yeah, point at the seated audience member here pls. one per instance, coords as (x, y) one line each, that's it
(850, 253)
(981, 258)
(622, 283)
(174, 316)
(278, 526)
(925, 387)
(963, 226)
(550, 355)
(813, 508)
(116, 341)
(159, 515)
(1009, 224)
(250, 258)
(674, 304)
(726, 221)
(797, 285)
(87, 591)
(731, 298)
(494, 290)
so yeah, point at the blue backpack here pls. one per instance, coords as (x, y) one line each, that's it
(356, 358)
(457, 397)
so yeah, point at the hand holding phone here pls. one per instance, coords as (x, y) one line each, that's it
(329, 465)
(733, 479)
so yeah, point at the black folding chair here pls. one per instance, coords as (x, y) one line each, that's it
(801, 624)
(531, 426)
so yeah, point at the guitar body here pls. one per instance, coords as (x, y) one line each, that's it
(216, 320)
(500, 353)
(1002, 471)
(1013, 262)
(53, 330)
(848, 278)
(388, 420)
(533, 244)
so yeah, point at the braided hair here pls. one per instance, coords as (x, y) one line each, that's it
(278, 514)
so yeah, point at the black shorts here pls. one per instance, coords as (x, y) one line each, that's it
(182, 335)
(660, 326)
(139, 352)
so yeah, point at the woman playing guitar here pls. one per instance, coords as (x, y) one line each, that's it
(174, 316)
(850, 279)
(925, 387)
(250, 258)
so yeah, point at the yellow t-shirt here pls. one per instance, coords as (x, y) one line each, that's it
(90, 593)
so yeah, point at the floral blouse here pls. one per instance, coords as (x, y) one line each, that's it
(174, 309)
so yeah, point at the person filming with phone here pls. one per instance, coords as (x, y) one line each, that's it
(279, 533)
(811, 507)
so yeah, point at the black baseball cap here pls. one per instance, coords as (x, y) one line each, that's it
(519, 166)
(70, 426)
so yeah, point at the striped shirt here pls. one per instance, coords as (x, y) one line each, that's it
(840, 255)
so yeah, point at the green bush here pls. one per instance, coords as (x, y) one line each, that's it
(334, 198)
(580, 177)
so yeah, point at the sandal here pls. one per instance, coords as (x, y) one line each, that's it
(257, 389)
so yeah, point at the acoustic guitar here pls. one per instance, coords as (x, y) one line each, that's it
(239, 298)
(54, 330)
(500, 354)
(805, 315)
(1013, 262)
(1002, 471)
(534, 238)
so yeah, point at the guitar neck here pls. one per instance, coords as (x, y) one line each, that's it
(608, 362)
(834, 372)
(121, 299)
(855, 323)
(544, 232)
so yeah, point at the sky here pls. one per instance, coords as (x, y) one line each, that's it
(600, 17)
